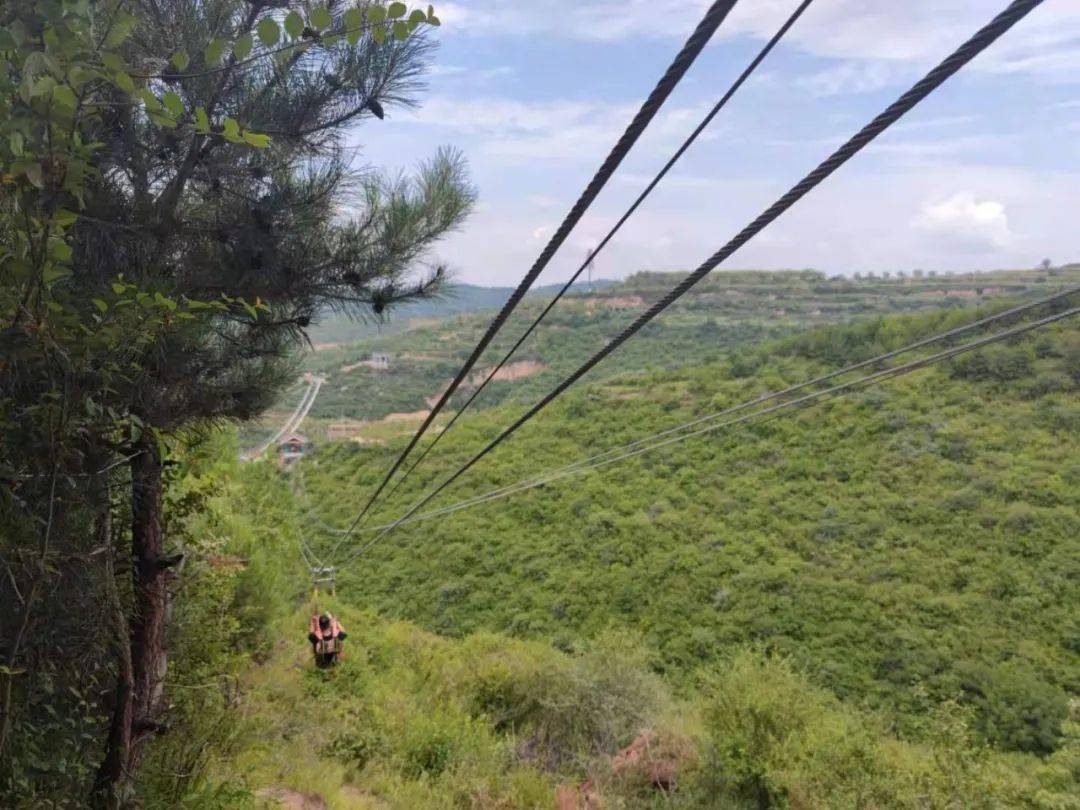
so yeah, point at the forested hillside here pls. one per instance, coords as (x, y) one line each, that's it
(731, 309)
(921, 535)
(870, 602)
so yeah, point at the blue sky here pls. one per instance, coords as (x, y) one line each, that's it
(983, 174)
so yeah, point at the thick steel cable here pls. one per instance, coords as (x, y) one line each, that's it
(862, 364)
(1016, 11)
(773, 411)
(685, 58)
(754, 63)
(767, 397)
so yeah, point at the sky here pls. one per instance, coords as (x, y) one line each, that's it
(983, 174)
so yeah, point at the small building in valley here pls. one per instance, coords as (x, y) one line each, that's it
(291, 448)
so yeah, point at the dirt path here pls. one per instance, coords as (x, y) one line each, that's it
(291, 799)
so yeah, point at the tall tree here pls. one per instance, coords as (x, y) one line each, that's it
(209, 207)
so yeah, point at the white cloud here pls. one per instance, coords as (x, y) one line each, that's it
(512, 131)
(542, 200)
(914, 30)
(440, 70)
(965, 222)
(850, 76)
(946, 147)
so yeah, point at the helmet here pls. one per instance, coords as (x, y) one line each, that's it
(324, 621)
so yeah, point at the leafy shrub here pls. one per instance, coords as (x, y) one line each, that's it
(772, 740)
(567, 708)
(429, 749)
(1016, 709)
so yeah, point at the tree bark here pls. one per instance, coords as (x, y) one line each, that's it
(151, 598)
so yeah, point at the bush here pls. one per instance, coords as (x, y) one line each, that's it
(772, 740)
(1017, 709)
(565, 708)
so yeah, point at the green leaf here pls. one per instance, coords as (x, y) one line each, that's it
(173, 103)
(163, 120)
(401, 30)
(65, 96)
(321, 18)
(214, 51)
(294, 24)
(242, 47)
(16, 140)
(180, 59)
(123, 81)
(231, 129)
(353, 19)
(60, 250)
(78, 75)
(202, 120)
(101, 305)
(150, 100)
(63, 218)
(268, 31)
(256, 139)
(378, 35)
(113, 61)
(120, 29)
(376, 14)
(396, 10)
(161, 300)
(33, 174)
(42, 87)
(54, 273)
(118, 287)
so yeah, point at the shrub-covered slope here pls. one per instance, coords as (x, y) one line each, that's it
(914, 541)
(728, 310)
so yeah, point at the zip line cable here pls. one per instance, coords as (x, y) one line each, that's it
(591, 460)
(774, 411)
(591, 255)
(685, 58)
(258, 451)
(757, 401)
(1016, 11)
(300, 490)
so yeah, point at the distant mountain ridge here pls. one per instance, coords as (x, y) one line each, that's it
(459, 299)
(426, 342)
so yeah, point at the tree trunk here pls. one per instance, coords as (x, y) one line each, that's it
(148, 659)
(111, 784)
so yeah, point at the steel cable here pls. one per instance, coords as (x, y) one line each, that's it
(750, 68)
(685, 58)
(772, 411)
(877, 359)
(1016, 11)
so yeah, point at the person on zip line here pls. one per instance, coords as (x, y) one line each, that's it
(326, 635)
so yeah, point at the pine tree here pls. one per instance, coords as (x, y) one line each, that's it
(205, 196)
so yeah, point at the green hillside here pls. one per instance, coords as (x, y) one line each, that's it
(728, 310)
(870, 604)
(917, 536)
